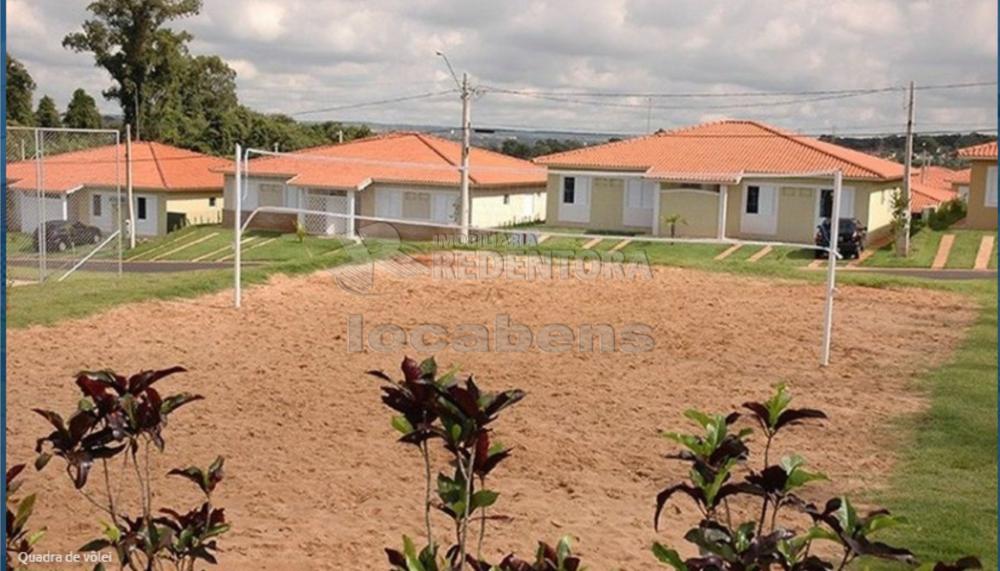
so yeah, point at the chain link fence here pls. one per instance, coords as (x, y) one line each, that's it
(63, 203)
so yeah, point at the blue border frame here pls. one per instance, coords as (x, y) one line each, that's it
(3, 258)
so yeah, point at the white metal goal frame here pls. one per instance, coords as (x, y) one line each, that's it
(17, 207)
(240, 225)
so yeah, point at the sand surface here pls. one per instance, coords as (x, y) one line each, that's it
(315, 479)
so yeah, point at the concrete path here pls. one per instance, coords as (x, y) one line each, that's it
(944, 248)
(225, 248)
(592, 243)
(729, 251)
(760, 254)
(245, 250)
(864, 256)
(983, 255)
(184, 247)
(621, 244)
(542, 238)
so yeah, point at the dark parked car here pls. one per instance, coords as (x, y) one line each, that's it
(850, 238)
(61, 235)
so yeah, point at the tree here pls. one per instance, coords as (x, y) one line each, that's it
(20, 88)
(128, 39)
(82, 113)
(47, 114)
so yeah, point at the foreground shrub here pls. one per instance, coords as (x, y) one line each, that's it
(20, 540)
(769, 541)
(125, 417)
(459, 416)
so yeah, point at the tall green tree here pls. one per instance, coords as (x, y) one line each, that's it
(129, 40)
(82, 113)
(20, 88)
(47, 114)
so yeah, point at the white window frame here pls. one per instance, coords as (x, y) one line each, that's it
(577, 211)
(990, 196)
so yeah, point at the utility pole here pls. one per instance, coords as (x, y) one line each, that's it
(903, 238)
(466, 92)
(128, 187)
(466, 137)
(138, 114)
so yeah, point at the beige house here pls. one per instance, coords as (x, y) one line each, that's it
(396, 176)
(982, 201)
(169, 183)
(727, 179)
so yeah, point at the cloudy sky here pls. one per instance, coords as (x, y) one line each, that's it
(297, 56)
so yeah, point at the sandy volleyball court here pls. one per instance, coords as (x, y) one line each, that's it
(316, 481)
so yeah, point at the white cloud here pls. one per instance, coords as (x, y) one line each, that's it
(297, 55)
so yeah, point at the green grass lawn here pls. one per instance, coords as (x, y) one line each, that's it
(923, 247)
(946, 482)
(965, 248)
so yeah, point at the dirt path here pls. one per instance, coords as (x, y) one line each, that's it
(316, 481)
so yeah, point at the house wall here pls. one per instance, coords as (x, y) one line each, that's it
(699, 212)
(607, 196)
(979, 215)
(524, 205)
(196, 207)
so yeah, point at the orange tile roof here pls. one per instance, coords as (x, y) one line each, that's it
(962, 177)
(725, 151)
(403, 157)
(983, 151)
(155, 166)
(924, 195)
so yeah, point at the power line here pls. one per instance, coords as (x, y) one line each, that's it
(641, 105)
(375, 103)
(716, 94)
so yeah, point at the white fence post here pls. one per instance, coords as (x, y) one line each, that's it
(237, 230)
(831, 271)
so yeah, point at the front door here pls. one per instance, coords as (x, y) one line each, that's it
(638, 207)
(759, 210)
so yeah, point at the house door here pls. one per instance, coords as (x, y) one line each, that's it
(759, 210)
(638, 207)
(825, 205)
(326, 225)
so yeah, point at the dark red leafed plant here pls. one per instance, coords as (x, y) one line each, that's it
(20, 540)
(767, 542)
(456, 413)
(125, 417)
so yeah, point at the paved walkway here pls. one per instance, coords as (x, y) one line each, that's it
(944, 248)
(729, 251)
(760, 254)
(983, 255)
(592, 243)
(621, 244)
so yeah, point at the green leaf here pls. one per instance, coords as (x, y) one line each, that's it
(669, 556)
(700, 417)
(882, 521)
(42, 460)
(483, 499)
(111, 532)
(36, 537)
(401, 424)
(410, 553)
(24, 509)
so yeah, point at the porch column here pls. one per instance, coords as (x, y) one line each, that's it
(350, 210)
(65, 207)
(723, 201)
(656, 209)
